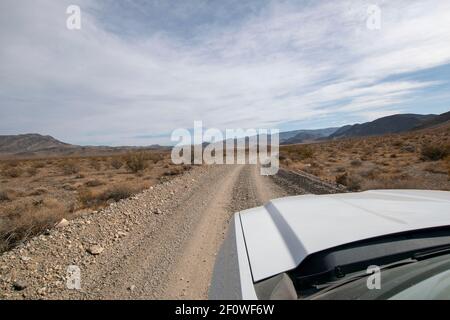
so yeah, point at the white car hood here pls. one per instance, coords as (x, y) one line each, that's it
(280, 235)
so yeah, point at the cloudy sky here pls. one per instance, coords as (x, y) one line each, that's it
(139, 69)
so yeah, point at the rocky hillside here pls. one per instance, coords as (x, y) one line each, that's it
(397, 123)
(29, 143)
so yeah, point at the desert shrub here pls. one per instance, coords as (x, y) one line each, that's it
(87, 198)
(173, 171)
(4, 196)
(69, 167)
(370, 173)
(116, 164)
(32, 171)
(434, 152)
(136, 161)
(12, 172)
(356, 163)
(94, 183)
(283, 156)
(12, 164)
(117, 193)
(96, 164)
(38, 192)
(352, 182)
(90, 199)
(433, 168)
(397, 143)
(38, 165)
(342, 179)
(155, 157)
(340, 169)
(305, 152)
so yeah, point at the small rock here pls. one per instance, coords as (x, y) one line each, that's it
(19, 285)
(42, 291)
(132, 287)
(24, 258)
(95, 249)
(157, 211)
(63, 223)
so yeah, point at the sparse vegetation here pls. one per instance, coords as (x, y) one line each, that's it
(136, 161)
(30, 186)
(93, 183)
(435, 152)
(116, 163)
(12, 172)
(32, 171)
(390, 161)
(69, 167)
(4, 196)
(19, 221)
(96, 164)
(93, 199)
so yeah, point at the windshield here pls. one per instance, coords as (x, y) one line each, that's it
(347, 266)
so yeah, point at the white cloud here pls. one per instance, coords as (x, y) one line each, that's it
(285, 63)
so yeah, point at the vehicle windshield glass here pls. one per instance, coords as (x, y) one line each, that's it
(339, 266)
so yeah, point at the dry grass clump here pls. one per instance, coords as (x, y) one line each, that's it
(12, 172)
(96, 199)
(69, 167)
(351, 181)
(4, 196)
(154, 157)
(23, 220)
(94, 183)
(116, 163)
(356, 163)
(96, 164)
(32, 171)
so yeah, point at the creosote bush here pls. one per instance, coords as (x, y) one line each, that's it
(69, 167)
(136, 161)
(435, 152)
(116, 163)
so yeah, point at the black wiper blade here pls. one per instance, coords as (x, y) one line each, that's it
(431, 253)
(333, 285)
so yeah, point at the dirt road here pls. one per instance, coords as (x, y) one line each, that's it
(160, 244)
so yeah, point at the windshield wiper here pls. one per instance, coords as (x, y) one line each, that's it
(333, 285)
(431, 253)
(416, 257)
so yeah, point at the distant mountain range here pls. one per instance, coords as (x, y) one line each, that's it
(32, 145)
(36, 145)
(397, 123)
(302, 136)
